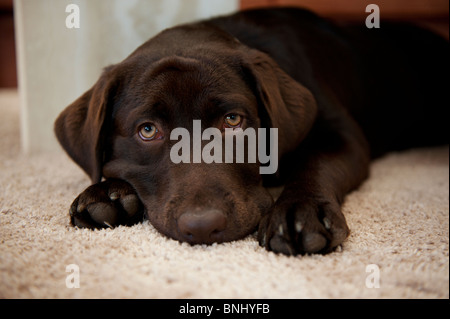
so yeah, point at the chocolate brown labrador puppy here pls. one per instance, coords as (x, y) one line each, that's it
(337, 95)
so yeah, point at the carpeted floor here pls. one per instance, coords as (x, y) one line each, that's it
(399, 220)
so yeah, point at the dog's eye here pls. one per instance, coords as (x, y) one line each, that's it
(148, 132)
(233, 120)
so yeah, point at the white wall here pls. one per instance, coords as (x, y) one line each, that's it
(57, 64)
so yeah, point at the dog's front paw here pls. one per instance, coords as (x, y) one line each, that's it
(297, 227)
(106, 204)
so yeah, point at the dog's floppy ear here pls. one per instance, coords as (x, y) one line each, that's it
(283, 102)
(80, 127)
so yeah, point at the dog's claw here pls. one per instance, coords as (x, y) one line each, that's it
(114, 196)
(298, 226)
(80, 208)
(327, 223)
(262, 241)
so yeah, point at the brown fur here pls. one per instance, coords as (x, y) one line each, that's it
(302, 78)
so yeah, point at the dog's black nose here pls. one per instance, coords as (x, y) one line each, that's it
(202, 227)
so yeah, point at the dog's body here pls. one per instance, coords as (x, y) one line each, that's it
(337, 96)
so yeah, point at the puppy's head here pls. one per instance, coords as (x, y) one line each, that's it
(187, 76)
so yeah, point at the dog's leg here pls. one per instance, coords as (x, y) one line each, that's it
(307, 217)
(107, 204)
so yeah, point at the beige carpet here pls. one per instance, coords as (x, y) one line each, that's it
(399, 220)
